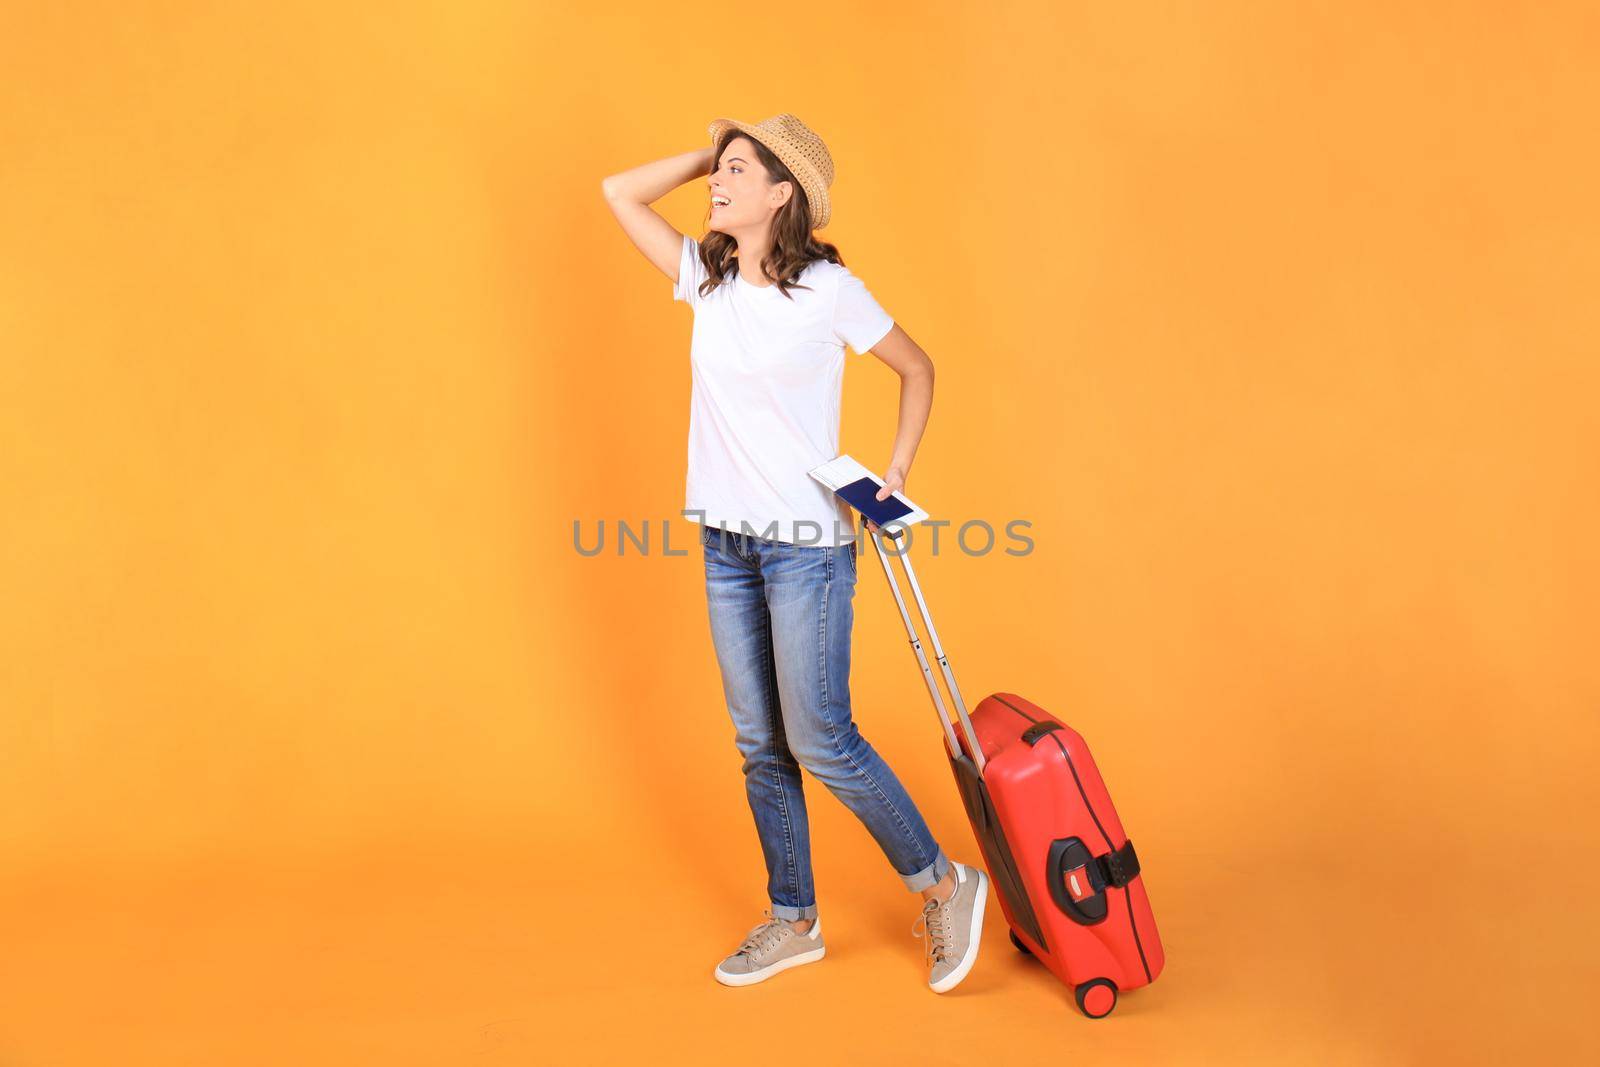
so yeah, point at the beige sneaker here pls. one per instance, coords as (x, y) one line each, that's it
(953, 930)
(770, 947)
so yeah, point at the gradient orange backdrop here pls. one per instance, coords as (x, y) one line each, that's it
(322, 744)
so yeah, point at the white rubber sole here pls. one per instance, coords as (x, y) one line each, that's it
(974, 939)
(767, 972)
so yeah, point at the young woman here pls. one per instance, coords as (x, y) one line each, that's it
(774, 308)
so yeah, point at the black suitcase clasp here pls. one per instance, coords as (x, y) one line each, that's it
(1078, 879)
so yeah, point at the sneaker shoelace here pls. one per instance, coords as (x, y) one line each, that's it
(763, 937)
(932, 924)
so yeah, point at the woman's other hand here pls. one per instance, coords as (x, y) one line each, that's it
(894, 481)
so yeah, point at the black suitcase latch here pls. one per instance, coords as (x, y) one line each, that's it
(1120, 867)
(1078, 879)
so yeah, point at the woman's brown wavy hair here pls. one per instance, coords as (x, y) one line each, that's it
(794, 246)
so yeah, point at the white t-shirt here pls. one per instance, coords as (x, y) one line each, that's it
(767, 379)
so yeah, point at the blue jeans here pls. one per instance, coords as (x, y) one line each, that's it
(781, 616)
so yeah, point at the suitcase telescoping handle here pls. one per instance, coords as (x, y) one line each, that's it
(933, 637)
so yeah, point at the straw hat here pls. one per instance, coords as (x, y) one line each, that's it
(801, 151)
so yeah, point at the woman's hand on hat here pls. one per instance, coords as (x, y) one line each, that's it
(894, 481)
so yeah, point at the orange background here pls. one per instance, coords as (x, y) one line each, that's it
(323, 745)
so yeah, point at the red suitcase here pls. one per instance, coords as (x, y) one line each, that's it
(1066, 874)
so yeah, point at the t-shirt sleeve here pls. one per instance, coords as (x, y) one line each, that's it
(691, 272)
(858, 319)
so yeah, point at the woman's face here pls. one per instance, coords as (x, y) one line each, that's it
(741, 198)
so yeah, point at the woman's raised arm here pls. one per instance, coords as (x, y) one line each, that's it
(630, 194)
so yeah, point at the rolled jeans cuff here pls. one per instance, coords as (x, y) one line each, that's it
(930, 875)
(785, 911)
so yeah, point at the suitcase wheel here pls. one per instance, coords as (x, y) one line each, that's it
(1015, 940)
(1097, 997)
